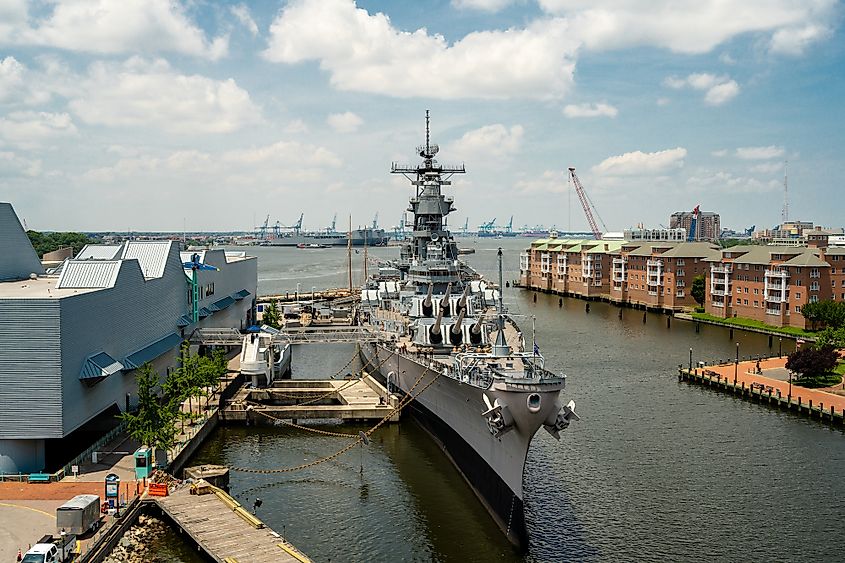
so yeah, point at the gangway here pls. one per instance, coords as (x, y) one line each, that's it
(332, 335)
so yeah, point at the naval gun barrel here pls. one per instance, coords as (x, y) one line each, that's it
(456, 333)
(475, 332)
(444, 303)
(435, 336)
(462, 302)
(427, 305)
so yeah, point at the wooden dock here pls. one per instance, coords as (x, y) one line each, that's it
(224, 530)
(300, 399)
(739, 379)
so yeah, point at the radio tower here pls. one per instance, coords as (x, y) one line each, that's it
(784, 214)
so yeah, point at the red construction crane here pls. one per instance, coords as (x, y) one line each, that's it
(587, 205)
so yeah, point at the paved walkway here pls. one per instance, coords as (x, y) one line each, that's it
(773, 369)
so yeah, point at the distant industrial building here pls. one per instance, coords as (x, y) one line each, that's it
(71, 340)
(655, 235)
(708, 225)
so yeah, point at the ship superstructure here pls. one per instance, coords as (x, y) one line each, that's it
(457, 352)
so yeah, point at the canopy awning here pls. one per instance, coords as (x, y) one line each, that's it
(205, 312)
(241, 294)
(183, 321)
(221, 304)
(99, 366)
(153, 351)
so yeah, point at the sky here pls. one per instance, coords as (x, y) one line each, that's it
(166, 115)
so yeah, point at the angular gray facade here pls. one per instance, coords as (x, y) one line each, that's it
(69, 344)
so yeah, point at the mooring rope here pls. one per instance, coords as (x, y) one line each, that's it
(409, 396)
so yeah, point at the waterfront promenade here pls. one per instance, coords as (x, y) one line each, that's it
(771, 384)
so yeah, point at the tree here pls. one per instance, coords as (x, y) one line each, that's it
(831, 337)
(271, 315)
(153, 423)
(811, 363)
(697, 290)
(48, 242)
(827, 313)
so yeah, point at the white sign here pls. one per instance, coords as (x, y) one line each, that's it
(74, 469)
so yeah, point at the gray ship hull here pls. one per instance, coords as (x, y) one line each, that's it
(360, 237)
(451, 413)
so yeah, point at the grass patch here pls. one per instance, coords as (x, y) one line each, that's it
(751, 323)
(826, 380)
(840, 368)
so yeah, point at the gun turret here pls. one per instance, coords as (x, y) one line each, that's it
(444, 303)
(462, 302)
(456, 333)
(427, 304)
(475, 332)
(435, 336)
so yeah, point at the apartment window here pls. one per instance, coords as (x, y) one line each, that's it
(797, 309)
(680, 262)
(798, 283)
(756, 303)
(745, 301)
(746, 290)
(756, 291)
(738, 301)
(681, 273)
(814, 299)
(814, 286)
(797, 295)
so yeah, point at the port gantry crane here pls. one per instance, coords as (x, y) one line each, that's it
(587, 204)
(262, 229)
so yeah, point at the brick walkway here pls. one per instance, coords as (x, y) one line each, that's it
(745, 374)
(51, 491)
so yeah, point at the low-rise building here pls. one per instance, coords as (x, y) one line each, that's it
(767, 283)
(70, 341)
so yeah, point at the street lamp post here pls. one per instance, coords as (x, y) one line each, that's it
(690, 357)
(780, 347)
(789, 393)
(736, 364)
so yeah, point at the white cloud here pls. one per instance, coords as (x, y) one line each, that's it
(12, 165)
(550, 181)
(119, 26)
(28, 129)
(760, 153)
(638, 162)
(767, 167)
(278, 163)
(718, 89)
(366, 53)
(491, 140)
(241, 12)
(688, 26)
(346, 122)
(795, 40)
(726, 58)
(11, 77)
(721, 93)
(720, 153)
(481, 5)
(151, 93)
(296, 126)
(590, 110)
(663, 101)
(725, 182)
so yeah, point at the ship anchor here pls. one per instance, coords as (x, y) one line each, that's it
(560, 420)
(499, 420)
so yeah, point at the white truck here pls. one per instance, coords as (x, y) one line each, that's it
(52, 550)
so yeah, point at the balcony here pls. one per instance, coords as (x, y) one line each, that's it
(772, 311)
(725, 269)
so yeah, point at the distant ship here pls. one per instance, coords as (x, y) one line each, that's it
(454, 350)
(360, 237)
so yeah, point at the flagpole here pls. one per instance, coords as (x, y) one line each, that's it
(533, 336)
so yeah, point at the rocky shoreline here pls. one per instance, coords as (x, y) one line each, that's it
(134, 546)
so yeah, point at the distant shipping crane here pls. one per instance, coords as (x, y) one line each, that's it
(262, 229)
(488, 226)
(587, 204)
(375, 221)
(466, 226)
(693, 223)
(509, 226)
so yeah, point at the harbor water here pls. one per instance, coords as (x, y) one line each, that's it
(656, 470)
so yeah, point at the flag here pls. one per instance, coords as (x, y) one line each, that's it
(536, 349)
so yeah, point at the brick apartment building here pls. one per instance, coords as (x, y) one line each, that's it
(768, 283)
(655, 275)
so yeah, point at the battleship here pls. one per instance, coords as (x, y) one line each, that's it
(457, 356)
